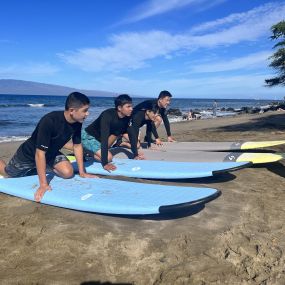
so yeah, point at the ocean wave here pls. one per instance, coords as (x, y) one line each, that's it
(204, 115)
(36, 105)
(13, 139)
(28, 105)
(4, 123)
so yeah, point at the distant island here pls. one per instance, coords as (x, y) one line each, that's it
(22, 87)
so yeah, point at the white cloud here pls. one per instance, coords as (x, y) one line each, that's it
(135, 50)
(236, 18)
(22, 70)
(259, 59)
(156, 7)
(226, 86)
(250, 27)
(128, 51)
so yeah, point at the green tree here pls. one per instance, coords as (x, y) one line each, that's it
(278, 58)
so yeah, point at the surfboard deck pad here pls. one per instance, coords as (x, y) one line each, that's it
(110, 196)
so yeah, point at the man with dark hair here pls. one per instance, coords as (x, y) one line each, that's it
(41, 152)
(161, 103)
(100, 135)
(76, 100)
(140, 118)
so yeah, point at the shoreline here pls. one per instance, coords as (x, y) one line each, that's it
(205, 123)
(177, 111)
(237, 238)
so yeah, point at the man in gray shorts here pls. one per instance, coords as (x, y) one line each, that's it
(40, 153)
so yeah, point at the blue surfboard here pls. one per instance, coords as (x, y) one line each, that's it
(109, 196)
(162, 169)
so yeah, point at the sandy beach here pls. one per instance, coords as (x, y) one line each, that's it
(237, 238)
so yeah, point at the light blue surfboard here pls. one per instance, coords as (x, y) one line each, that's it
(163, 169)
(109, 196)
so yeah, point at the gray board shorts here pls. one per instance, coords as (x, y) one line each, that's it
(18, 167)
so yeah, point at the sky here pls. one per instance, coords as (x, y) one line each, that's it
(192, 48)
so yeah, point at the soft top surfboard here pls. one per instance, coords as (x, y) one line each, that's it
(219, 146)
(162, 169)
(201, 156)
(109, 196)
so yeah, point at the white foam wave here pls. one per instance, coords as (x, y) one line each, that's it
(13, 139)
(36, 105)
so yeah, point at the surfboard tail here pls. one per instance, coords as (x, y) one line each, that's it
(184, 206)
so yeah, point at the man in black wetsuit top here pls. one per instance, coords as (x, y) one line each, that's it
(41, 151)
(100, 135)
(140, 118)
(162, 102)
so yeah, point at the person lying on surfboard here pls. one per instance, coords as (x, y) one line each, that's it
(140, 118)
(161, 102)
(101, 134)
(41, 152)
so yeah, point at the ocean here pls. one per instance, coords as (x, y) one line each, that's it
(19, 114)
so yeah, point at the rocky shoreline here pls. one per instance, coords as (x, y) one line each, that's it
(178, 115)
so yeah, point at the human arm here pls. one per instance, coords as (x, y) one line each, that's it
(133, 130)
(105, 126)
(40, 160)
(166, 122)
(167, 126)
(43, 141)
(151, 129)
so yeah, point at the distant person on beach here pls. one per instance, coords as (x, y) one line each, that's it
(101, 134)
(140, 118)
(190, 115)
(215, 105)
(41, 152)
(197, 115)
(161, 103)
(193, 116)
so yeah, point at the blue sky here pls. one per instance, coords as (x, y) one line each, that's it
(193, 48)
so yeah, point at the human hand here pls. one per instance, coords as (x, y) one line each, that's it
(140, 156)
(158, 142)
(41, 191)
(110, 167)
(171, 139)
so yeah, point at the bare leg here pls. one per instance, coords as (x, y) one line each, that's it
(97, 155)
(63, 169)
(157, 121)
(126, 141)
(69, 145)
(111, 140)
(2, 168)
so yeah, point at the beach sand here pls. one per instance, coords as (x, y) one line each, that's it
(237, 238)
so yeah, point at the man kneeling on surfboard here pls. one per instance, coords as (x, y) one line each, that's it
(41, 152)
(162, 102)
(100, 135)
(140, 118)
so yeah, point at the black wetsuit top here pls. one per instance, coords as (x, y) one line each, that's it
(137, 121)
(109, 123)
(50, 135)
(162, 111)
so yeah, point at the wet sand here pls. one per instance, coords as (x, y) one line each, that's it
(236, 239)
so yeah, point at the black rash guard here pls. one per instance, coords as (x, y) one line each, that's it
(162, 111)
(137, 121)
(50, 135)
(109, 123)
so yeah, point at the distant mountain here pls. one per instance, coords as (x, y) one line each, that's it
(21, 87)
